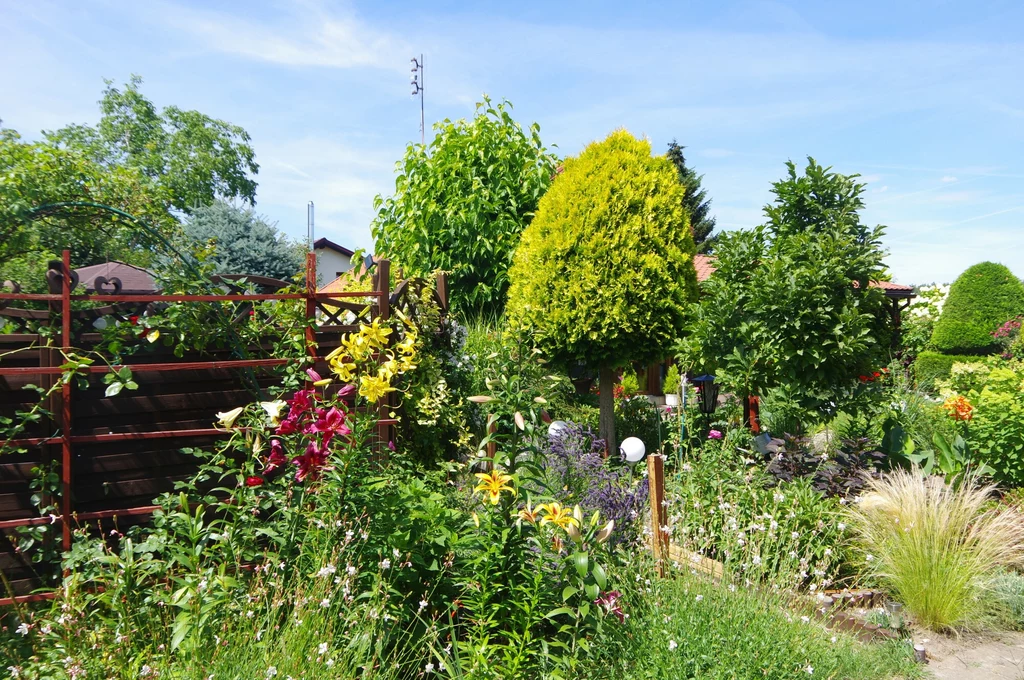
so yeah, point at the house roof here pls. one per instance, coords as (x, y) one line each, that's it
(345, 281)
(134, 280)
(322, 243)
(705, 266)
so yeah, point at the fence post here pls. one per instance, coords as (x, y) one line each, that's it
(311, 304)
(442, 291)
(659, 520)
(384, 312)
(65, 425)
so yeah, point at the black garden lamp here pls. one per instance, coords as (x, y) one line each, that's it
(708, 394)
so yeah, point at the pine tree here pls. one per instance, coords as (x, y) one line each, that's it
(696, 203)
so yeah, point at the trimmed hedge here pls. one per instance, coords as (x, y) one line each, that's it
(931, 365)
(979, 302)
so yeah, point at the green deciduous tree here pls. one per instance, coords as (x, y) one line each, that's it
(194, 158)
(152, 165)
(789, 303)
(461, 203)
(244, 242)
(980, 301)
(35, 174)
(604, 274)
(696, 201)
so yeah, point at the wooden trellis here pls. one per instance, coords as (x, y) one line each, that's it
(114, 453)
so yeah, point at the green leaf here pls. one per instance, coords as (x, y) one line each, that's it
(568, 592)
(113, 389)
(582, 563)
(600, 577)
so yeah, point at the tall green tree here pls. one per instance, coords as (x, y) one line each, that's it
(604, 274)
(244, 242)
(40, 173)
(150, 164)
(461, 203)
(789, 304)
(193, 157)
(696, 201)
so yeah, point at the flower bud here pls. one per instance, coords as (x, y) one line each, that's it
(605, 531)
(574, 533)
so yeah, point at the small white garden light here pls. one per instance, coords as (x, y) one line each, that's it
(557, 428)
(632, 449)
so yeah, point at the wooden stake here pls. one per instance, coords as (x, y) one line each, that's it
(656, 485)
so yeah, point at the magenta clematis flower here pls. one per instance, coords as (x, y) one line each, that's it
(714, 434)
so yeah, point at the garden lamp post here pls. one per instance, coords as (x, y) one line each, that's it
(708, 395)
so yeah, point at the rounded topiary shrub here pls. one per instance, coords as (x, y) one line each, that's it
(979, 302)
(604, 274)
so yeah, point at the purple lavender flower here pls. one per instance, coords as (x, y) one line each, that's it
(577, 472)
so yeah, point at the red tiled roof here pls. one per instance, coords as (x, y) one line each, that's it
(134, 280)
(705, 266)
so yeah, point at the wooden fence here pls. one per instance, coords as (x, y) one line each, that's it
(114, 455)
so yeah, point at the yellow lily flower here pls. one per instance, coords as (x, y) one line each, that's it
(374, 334)
(492, 484)
(345, 370)
(555, 514)
(373, 387)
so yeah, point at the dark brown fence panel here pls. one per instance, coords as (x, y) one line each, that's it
(116, 454)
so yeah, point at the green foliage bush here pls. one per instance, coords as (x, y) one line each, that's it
(980, 301)
(461, 202)
(996, 432)
(604, 273)
(782, 307)
(931, 366)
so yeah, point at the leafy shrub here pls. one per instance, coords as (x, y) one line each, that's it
(936, 547)
(931, 366)
(461, 202)
(995, 431)
(789, 302)
(638, 417)
(979, 302)
(1007, 593)
(671, 385)
(920, 317)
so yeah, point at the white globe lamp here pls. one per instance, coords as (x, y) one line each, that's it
(632, 449)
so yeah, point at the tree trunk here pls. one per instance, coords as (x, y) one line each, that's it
(606, 384)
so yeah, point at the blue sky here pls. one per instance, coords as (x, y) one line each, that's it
(924, 99)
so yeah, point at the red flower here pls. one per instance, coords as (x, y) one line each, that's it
(133, 319)
(329, 424)
(310, 462)
(276, 458)
(609, 602)
(288, 426)
(254, 481)
(876, 374)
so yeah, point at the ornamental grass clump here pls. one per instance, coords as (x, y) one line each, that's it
(937, 547)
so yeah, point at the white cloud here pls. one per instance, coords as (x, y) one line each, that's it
(946, 179)
(308, 36)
